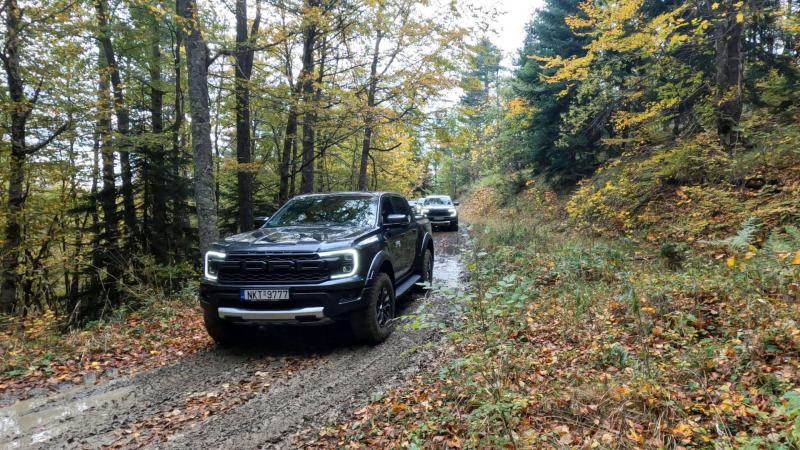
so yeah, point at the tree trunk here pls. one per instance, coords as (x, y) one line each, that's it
(197, 68)
(123, 124)
(293, 175)
(243, 72)
(93, 209)
(370, 117)
(307, 80)
(286, 165)
(179, 215)
(320, 157)
(160, 237)
(728, 35)
(16, 194)
(108, 194)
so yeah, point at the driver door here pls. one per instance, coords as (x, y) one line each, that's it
(392, 235)
(407, 234)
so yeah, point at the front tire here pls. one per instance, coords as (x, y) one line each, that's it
(375, 323)
(453, 226)
(223, 333)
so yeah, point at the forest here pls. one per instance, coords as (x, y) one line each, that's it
(135, 133)
(631, 181)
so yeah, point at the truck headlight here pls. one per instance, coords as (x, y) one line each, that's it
(347, 263)
(211, 264)
(453, 212)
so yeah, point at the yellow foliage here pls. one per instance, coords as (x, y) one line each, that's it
(626, 119)
(610, 25)
(517, 107)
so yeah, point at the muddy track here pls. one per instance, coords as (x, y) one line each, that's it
(260, 395)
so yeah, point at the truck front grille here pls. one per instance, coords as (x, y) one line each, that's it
(272, 268)
(442, 212)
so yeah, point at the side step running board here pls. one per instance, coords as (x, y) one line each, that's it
(406, 285)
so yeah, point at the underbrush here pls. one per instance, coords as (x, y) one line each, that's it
(625, 339)
(150, 330)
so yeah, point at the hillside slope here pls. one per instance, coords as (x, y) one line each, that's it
(655, 306)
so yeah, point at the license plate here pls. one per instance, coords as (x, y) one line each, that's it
(265, 294)
(438, 218)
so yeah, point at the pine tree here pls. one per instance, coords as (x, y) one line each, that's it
(548, 35)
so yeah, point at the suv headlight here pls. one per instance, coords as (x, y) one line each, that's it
(346, 265)
(453, 212)
(211, 264)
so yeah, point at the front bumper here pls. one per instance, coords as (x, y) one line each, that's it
(443, 221)
(308, 303)
(301, 315)
(439, 218)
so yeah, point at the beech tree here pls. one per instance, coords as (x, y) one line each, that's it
(243, 67)
(123, 140)
(407, 60)
(197, 61)
(19, 108)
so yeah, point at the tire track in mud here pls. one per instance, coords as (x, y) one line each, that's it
(286, 380)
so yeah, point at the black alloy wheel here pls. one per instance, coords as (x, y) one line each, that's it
(375, 322)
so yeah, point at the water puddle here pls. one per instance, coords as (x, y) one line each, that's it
(447, 266)
(447, 272)
(38, 420)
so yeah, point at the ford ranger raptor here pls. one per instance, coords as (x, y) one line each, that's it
(320, 258)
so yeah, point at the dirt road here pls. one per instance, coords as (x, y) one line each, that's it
(285, 380)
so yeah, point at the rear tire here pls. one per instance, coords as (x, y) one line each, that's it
(223, 333)
(375, 323)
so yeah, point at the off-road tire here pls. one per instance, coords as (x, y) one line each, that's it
(375, 323)
(425, 270)
(223, 333)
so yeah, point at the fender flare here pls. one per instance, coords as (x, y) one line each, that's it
(425, 241)
(375, 266)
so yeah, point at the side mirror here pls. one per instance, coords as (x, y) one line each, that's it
(396, 219)
(456, 203)
(260, 221)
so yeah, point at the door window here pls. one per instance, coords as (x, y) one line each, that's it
(400, 206)
(387, 207)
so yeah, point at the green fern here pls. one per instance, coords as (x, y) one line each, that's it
(742, 239)
(793, 232)
(787, 241)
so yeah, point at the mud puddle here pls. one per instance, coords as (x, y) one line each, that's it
(42, 413)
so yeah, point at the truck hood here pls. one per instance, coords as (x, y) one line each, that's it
(299, 237)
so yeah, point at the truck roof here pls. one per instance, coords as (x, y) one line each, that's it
(353, 193)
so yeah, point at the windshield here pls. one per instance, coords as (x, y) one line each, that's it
(345, 211)
(438, 201)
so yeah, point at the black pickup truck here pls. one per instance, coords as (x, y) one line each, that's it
(319, 258)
